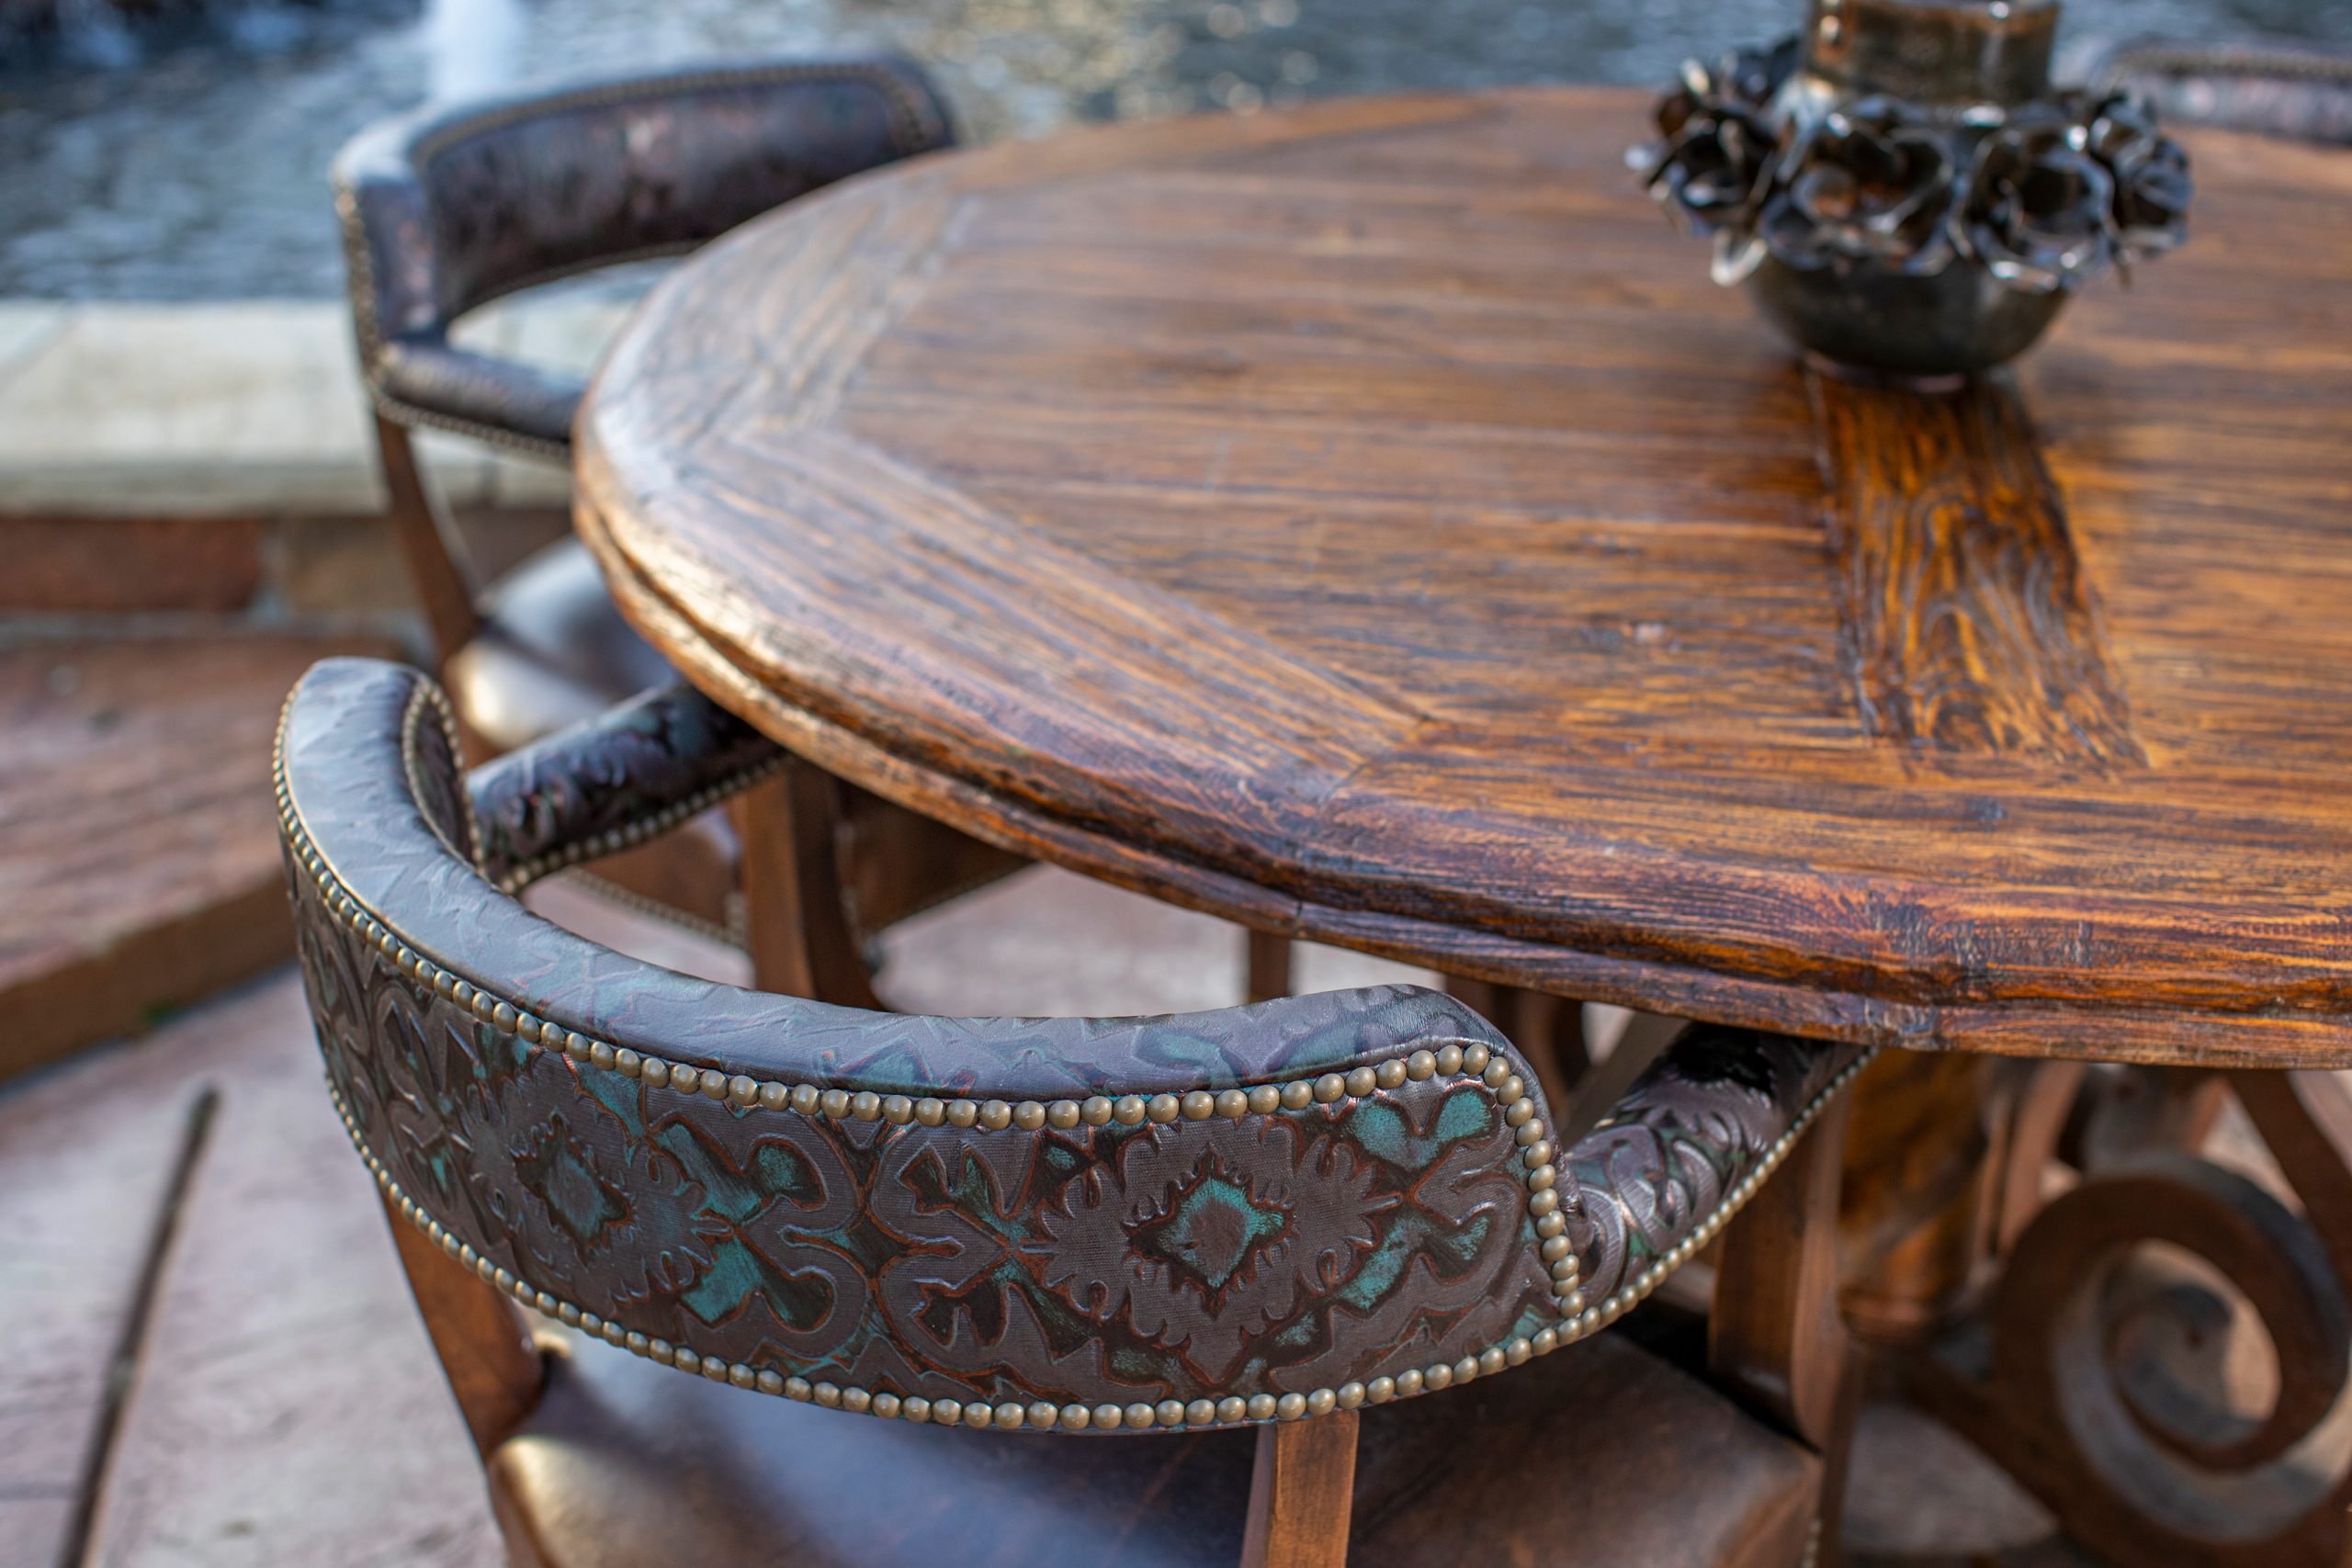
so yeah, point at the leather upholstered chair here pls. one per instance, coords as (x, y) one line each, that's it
(445, 210)
(2304, 95)
(824, 1286)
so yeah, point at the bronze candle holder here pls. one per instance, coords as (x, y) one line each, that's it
(1902, 190)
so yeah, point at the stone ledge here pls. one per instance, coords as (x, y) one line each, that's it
(241, 409)
(219, 459)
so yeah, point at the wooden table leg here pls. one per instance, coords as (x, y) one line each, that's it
(1548, 1030)
(1943, 1169)
(1269, 972)
(800, 941)
(2093, 1376)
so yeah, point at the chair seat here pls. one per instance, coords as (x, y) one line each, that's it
(1602, 1455)
(553, 653)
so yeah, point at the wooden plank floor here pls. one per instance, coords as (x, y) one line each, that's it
(211, 1359)
(138, 843)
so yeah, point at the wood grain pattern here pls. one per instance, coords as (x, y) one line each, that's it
(1967, 624)
(1369, 523)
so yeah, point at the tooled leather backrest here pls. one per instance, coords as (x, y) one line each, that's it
(445, 210)
(2302, 94)
(1246, 1214)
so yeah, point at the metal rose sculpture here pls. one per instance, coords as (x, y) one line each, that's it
(1900, 187)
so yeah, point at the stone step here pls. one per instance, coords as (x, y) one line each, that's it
(218, 458)
(139, 865)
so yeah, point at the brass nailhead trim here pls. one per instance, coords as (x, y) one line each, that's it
(638, 830)
(1475, 1061)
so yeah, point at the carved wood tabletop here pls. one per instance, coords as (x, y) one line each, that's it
(1369, 522)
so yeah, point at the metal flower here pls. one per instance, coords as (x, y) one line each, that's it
(2039, 206)
(1717, 141)
(1873, 182)
(2150, 208)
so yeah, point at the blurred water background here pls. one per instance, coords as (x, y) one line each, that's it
(179, 152)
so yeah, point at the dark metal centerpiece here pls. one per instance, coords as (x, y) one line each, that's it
(1901, 188)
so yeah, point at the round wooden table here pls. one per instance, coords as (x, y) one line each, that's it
(1370, 523)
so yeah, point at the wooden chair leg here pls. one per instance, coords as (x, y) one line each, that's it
(1775, 1340)
(485, 1349)
(1270, 966)
(1301, 1494)
(800, 939)
(429, 544)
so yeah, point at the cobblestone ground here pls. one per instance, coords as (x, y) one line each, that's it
(187, 162)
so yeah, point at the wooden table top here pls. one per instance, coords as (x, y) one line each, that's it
(1369, 522)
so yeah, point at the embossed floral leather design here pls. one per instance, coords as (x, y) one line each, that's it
(1317, 1201)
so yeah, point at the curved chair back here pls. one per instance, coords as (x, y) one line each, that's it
(448, 209)
(2302, 94)
(1252, 1215)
